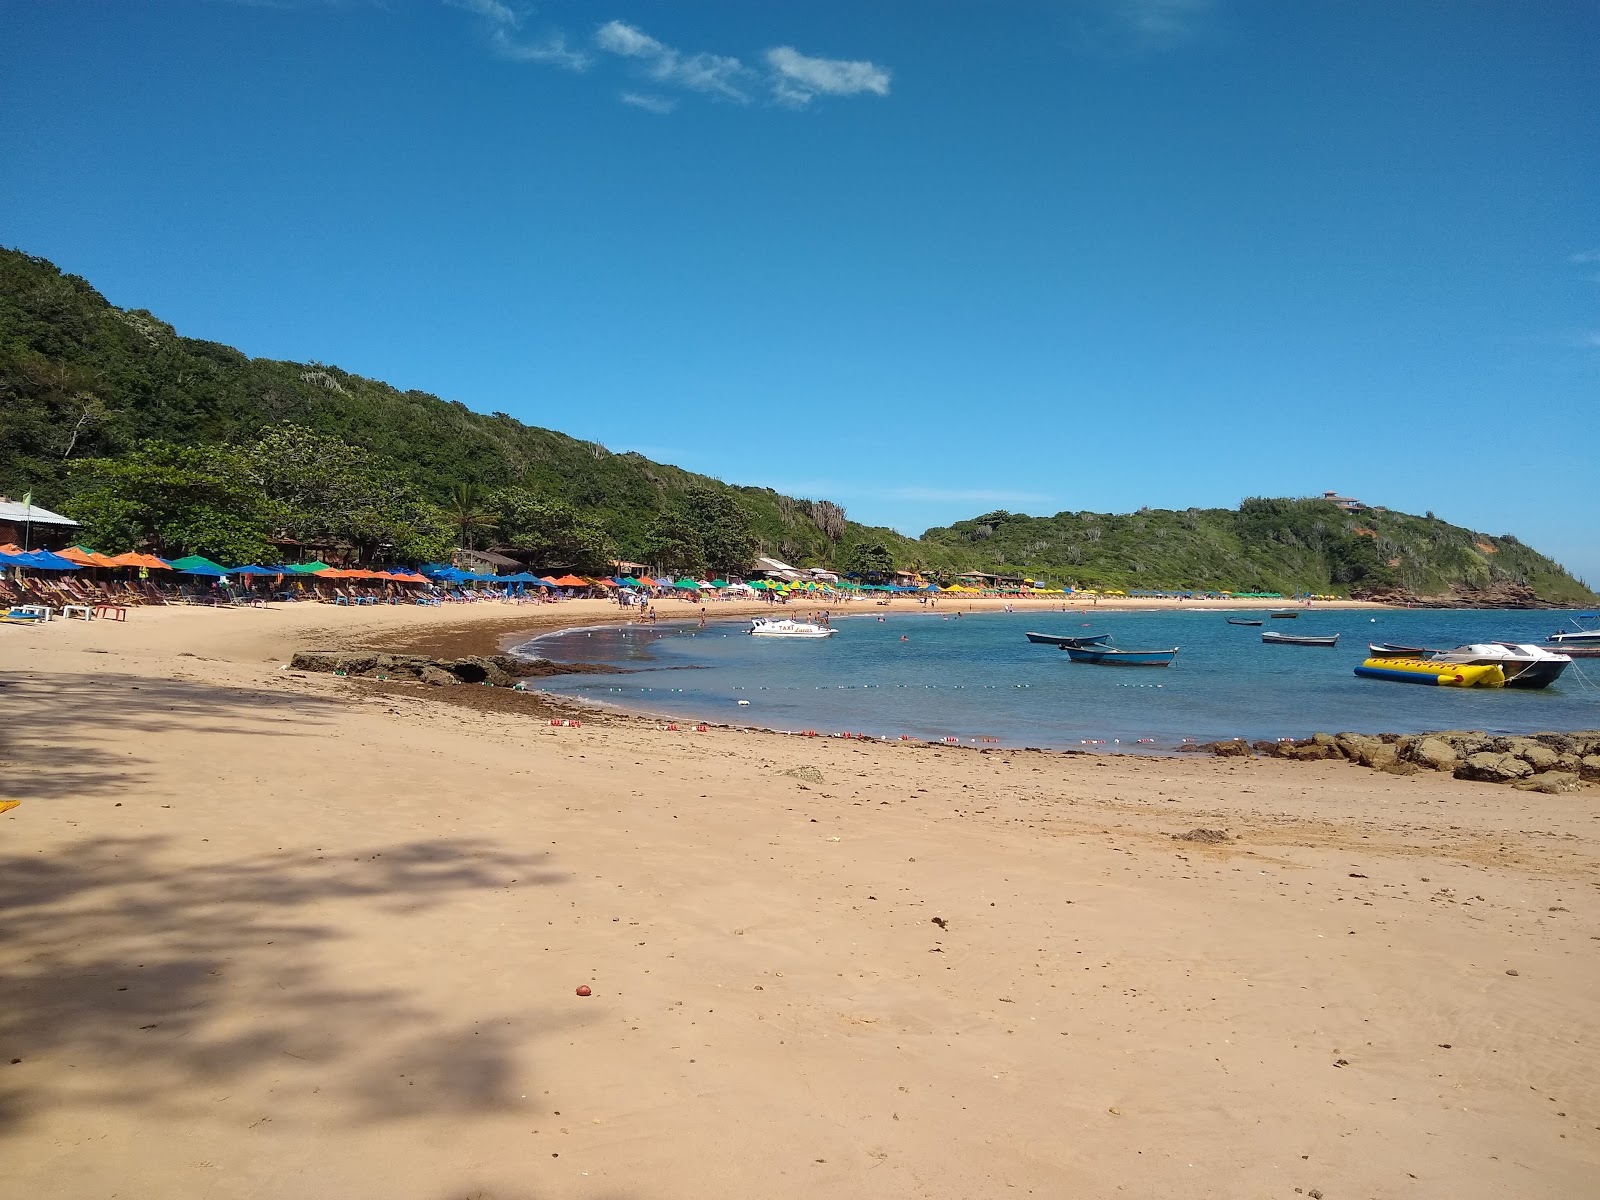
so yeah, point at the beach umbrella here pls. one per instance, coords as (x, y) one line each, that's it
(718, 583)
(253, 569)
(40, 560)
(570, 581)
(86, 558)
(197, 564)
(688, 583)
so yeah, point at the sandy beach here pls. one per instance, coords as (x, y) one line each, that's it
(274, 935)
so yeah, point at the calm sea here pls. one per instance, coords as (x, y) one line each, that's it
(977, 677)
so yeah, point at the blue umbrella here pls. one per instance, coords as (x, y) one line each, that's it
(40, 560)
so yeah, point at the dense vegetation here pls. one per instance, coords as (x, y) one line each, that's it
(158, 440)
(1264, 545)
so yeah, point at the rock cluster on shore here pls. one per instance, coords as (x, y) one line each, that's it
(498, 670)
(1540, 762)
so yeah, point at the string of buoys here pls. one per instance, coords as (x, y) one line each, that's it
(564, 723)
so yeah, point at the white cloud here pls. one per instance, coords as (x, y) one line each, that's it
(933, 495)
(713, 74)
(489, 10)
(493, 12)
(1585, 256)
(628, 41)
(553, 51)
(799, 77)
(660, 105)
(795, 79)
(1162, 20)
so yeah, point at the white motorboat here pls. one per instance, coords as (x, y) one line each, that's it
(1525, 666)
(762, 627)
(1577, 637)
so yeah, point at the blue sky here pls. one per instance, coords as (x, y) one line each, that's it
(925, 259)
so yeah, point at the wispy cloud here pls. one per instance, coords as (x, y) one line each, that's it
(504, 22)
(798, 78)
(1585, 256)
(552, 51)
(660, 105)
(793, 79)
(934, 495)
(1162, 20)
(1136, 27)
(489, 10)
(712, 74)
(837, 489)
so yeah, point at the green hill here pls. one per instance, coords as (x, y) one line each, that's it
(85, 383)
(1264, 545)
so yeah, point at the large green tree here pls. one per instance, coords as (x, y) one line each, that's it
(550, 531)
(324, 490)
(174, 500)
(870, 558)
(673, 544)
(723, 527)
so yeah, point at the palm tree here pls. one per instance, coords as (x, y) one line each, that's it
(467, 515)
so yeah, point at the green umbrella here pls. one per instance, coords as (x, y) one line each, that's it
(719, 583)
(194, 561)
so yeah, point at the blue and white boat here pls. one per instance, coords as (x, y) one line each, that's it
(1107, 656)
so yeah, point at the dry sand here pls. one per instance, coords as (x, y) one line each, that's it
(268, 935)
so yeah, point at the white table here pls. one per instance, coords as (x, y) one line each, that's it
(84, 610)
(42, 611)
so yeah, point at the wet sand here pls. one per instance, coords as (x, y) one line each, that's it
(275, 935)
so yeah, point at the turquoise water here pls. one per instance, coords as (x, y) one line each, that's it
(977, 677)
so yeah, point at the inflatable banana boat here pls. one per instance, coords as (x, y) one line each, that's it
(1435, 674)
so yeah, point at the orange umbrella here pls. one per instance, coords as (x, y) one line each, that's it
(134, 559)
(86, 558)
(571, 581)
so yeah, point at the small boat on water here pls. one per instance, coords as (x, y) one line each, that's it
(1290, 639)
(786, 628)
(1523, 665)
(1284, 615)
(1432, 672)
(1244, 621)
(1390, 650)
(1107, 657)
(1052, 639)
(1576, 637)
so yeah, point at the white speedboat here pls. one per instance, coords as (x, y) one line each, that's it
(762, 627)
(1577, 637)
(1525, 666)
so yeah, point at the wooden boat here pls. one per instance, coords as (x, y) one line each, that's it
(1052, 639)
(1107, 657)
(1290, 639)
(1244, 621)
(1289, 615)
(1390, 650)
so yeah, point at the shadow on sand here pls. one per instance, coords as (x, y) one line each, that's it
(133, 980)
(54, 728)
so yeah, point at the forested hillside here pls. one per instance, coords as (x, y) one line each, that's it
(156, 439)
(81, 379)
(1263, 545)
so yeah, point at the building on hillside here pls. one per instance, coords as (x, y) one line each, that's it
(33, 527)
(486, 562)
(1345, 502)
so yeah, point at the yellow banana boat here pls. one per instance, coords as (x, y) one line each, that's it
(1435, 674)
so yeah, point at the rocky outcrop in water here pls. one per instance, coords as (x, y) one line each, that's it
(1540, 762)
(497, 670)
